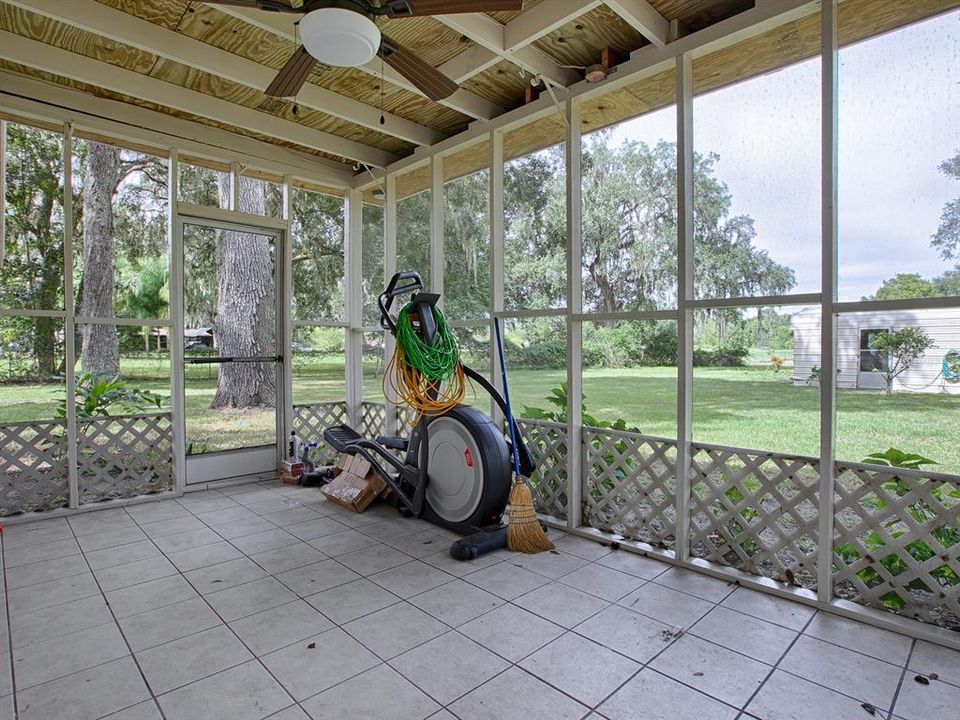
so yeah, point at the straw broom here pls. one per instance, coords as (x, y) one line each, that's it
(524, 533)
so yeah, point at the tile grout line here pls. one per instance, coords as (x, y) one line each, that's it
(6, 602)
(776, 665)
(116, 623)
(299, 598)
(903, 675)
(227, 625)
(548, 579)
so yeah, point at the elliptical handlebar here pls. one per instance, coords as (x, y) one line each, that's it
(411, 283)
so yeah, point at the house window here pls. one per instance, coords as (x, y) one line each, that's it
(871, 359)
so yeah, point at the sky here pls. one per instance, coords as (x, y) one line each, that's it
(899, 119)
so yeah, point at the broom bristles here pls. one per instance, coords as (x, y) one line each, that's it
(524, 533)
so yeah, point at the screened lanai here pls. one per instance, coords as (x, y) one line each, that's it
(720, 238)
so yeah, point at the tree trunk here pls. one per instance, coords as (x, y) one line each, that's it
(100, 351)
(245, 323)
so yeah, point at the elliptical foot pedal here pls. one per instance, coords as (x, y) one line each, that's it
(340, 436)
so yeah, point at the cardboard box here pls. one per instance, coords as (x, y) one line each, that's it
(356, 484)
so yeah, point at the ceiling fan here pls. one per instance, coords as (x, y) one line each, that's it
(345, 33)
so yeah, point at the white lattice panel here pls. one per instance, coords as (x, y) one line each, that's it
(372, 419)
(33, 466)
(897, 541)
(755, 511)
(547, 442)
(124, 456)
(630, 485)
(309, 422)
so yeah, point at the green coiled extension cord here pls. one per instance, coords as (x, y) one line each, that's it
(436, 362)
(428, 378)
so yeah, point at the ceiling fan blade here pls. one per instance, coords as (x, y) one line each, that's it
(433, 83)
(293, 75)
(411, 8)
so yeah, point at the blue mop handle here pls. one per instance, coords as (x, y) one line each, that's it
(506, 400)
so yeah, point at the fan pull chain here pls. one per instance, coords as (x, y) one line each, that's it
(383, 120)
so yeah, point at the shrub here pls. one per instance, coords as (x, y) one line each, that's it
(724, 356)
(903, 346)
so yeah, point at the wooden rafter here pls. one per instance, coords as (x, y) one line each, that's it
(520, 32)
(131, 30)
(41, 56)
(121, 121)
(490, 34)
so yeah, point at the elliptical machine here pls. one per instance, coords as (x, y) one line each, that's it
(456, 469)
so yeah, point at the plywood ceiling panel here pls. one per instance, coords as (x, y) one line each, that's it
(505, 16)
(502, 83)
(165, 13)
(579, 42)
(66, 37)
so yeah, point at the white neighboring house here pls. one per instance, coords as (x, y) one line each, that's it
(859, 366)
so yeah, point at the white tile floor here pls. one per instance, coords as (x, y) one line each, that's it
(263, 601)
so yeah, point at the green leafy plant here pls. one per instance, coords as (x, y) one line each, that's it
(921, 513)
(897, 458)
(558, 414)
(903, 347)
(96, 396)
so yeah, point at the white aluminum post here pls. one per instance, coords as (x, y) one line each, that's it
(437, 205)
(496, 258)
(574, 308)
(828, 338)
(69, 326)
(353, 237)
(285, 423)
(175, 331)
(3, 189)
(392, 422)
(684, 72)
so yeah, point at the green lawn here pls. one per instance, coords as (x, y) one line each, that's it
(747, 407)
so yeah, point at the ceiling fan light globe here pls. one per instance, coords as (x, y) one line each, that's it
(340, 37)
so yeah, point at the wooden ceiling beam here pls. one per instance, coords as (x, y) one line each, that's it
(130, 30)
(282, 25)
(644, 18)
(41, 56)
(490, 34)
(523, 30)
(47, 101)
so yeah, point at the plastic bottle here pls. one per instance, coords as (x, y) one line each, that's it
(294, 447)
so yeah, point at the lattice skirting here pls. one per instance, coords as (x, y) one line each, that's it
(309, 422)
(373, 417)
(33, 466)
(124, 456)
(755, 511)
(547, 442)
(630, 485)
(897, 541)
